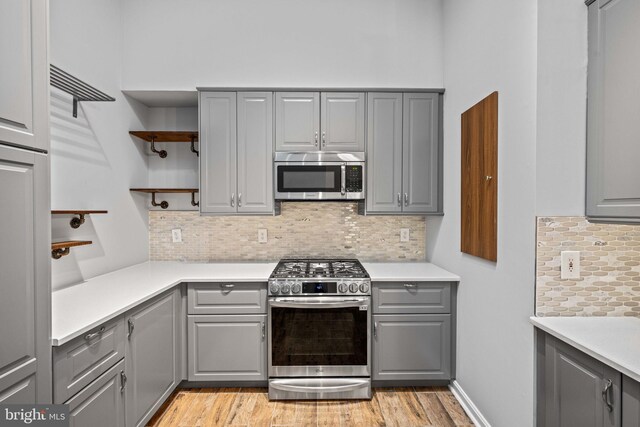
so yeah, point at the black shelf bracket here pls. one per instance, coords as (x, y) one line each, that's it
(193, 147)
(77, 88)
(59, 253)
(161, 153)
(193, 200)
(163, 204)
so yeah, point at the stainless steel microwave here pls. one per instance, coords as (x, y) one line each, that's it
(319, 176)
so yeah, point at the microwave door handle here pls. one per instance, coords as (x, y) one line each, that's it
(343, 175)
(341, 304)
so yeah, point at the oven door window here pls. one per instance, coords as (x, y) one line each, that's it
(305, 179)
(312, 337)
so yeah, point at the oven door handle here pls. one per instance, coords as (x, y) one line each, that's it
(318, 389)
(290, 303)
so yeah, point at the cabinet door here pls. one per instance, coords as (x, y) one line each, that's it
(630, 402)
(227, 348)
(297, 121)
(18, 267)
(421, 150)
(613, 152)
(100, 404)
(152, 356)
(218, 152)
(412, 347)
(24, 81)
(255, 152)
(574, 385)
(342, 117)
(384, 152)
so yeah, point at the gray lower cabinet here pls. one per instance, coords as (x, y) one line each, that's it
(227, 298)
(227, 348)
(236, 153)
(101, 404)
(404, 145)
(576, 390)
(152, 356)
(630, 402)
(613, 152)
(412, 347)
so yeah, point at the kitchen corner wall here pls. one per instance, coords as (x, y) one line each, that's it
(304, 229)
(610, 268)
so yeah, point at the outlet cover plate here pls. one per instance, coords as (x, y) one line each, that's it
(570, 265)
(404, 234)
(176, 235)
(262, 235)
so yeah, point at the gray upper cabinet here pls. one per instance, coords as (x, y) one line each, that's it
(236, 152)
(218, 167)
(342, 118)
(153, 356)
(404, 153)
(613, 151)
(577, 390)
(24, 91)
(255, 152)
(384, 152)
(297, 121)
(421, 153)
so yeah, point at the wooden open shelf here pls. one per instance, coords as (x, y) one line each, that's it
(165, 204)
(167, 136)
(60, 249)
(78, 220)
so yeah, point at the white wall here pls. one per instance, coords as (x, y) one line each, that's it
(562, 105)
(491, 46)
(183, 44)
(93, 159)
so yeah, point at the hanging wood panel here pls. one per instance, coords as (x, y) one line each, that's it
(479, 189)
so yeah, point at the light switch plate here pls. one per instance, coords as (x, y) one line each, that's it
(176, 235)
(404, 234)
(570, 265)
(262, 235)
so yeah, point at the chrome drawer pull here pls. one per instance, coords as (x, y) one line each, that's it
(227, 286)
(375, 329)
(410, 285)
(130, 327)
(91, 336)
(123, 381)
(606, 394)
(263, 330)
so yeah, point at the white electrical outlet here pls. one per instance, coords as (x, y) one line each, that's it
(404, 234)
(176, 235)
(570, 265)
(262, 235)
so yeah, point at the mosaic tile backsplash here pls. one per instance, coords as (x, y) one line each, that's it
(326, 229)
(610, 268)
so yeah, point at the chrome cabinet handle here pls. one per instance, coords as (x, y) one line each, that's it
(123, 381)
(399, 200)
(233, 200)
(343, 178)
(410, 285)
(91, 336)
(130, 327)
(239, 200)
(264, 330)
(324, 139)
(606, 395)
(227, 286)
(375, 329)
(316, 138)
(406, 199)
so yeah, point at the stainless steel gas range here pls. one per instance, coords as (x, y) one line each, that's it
(319, 330)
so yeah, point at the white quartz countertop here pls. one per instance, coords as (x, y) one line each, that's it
(615, 341)
(408, 271)
(79, 308)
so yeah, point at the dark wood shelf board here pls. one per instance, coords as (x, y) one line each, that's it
(76, 212)
(69, 244)
(165, 136)
(165, 190)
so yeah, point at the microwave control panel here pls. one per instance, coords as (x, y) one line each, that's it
(354, 179)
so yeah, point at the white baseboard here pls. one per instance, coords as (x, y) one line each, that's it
(469, 407)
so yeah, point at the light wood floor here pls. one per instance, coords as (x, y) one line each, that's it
(402, 407)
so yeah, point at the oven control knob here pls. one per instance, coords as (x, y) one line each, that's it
(296, 288)
(274, 288)
(353, 288)
(364, 288)
(343, 288)
(286, 288)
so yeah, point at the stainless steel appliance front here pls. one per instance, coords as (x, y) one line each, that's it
(313, 338)
(319, 176)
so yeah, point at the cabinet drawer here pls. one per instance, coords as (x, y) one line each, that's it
(79, 362)
(227, 298)
(411, 298)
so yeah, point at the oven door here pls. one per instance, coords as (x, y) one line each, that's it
(319, 337)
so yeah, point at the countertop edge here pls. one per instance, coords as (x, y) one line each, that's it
(589, 351)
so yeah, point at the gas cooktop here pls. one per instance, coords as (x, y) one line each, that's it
(319, 269)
